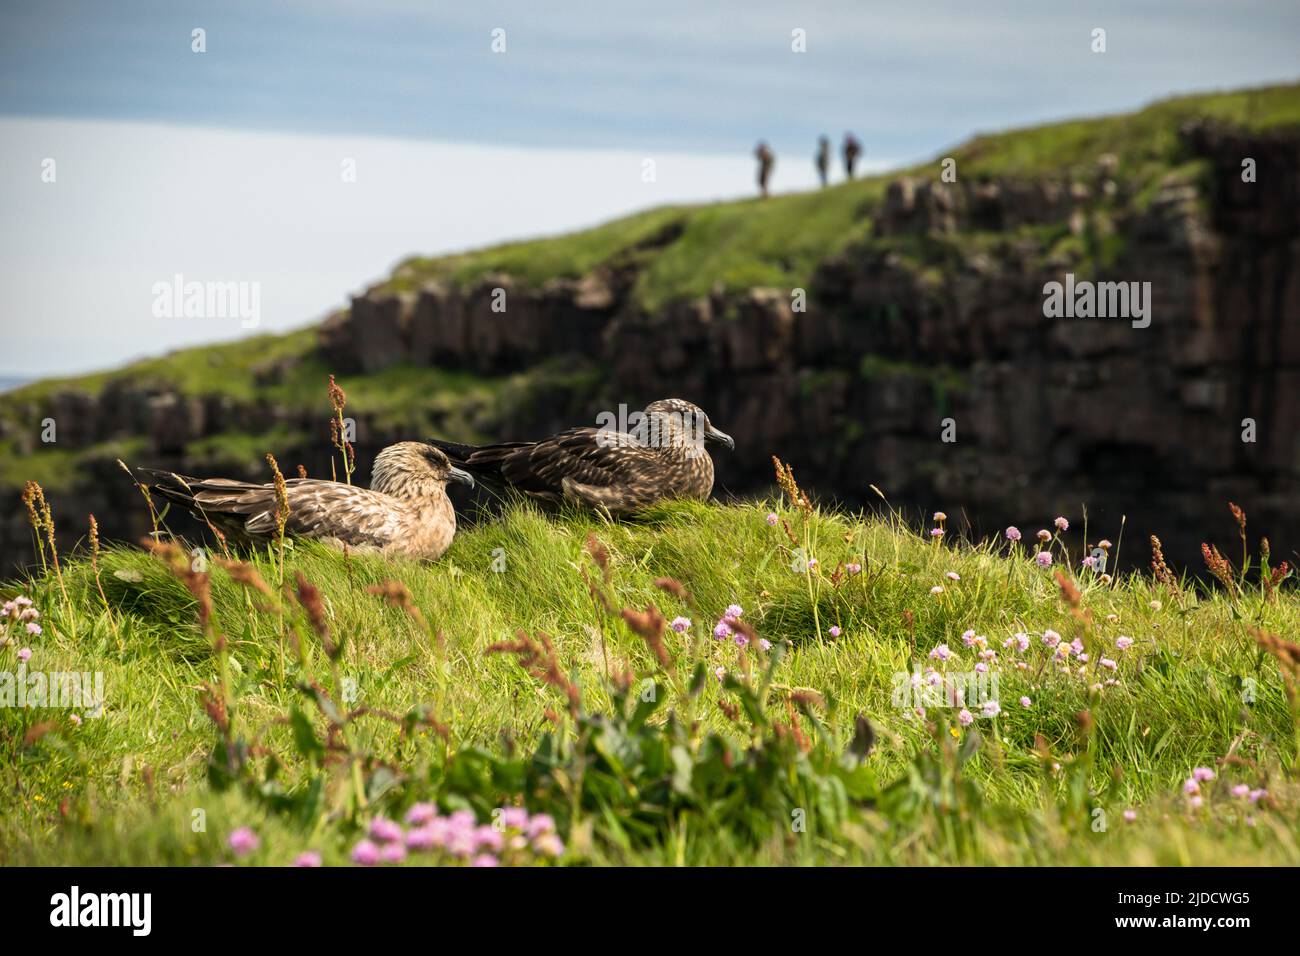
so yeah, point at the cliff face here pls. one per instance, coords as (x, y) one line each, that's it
(929, 326)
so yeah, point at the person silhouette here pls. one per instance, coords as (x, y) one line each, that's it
(823, 160)
(852, 150)
(766, 160)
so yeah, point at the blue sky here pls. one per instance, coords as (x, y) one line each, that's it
(911, 77)
(224, 166)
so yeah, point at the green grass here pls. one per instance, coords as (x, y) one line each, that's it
(124, 788)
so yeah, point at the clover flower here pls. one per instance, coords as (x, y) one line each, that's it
(835, 630)
(1043, 559)
(1013, 533)
(1026, 702)
(1061, 524)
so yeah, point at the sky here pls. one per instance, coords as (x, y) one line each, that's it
(224, 165)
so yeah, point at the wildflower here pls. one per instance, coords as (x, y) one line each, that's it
(1257, 795)
(1044, 535)
(853, 568)
(243, 841)
(33, 629)
(937, 589)
(1203, 774)
(1051, 638)
(720, 673)
(936, 532)
(940, 517)
(516, 818)
(1112, 618)
(1076, 645)
(988, 655)
(1195, 802)
(420, 814)
(392, 852)
(1090, 562)
(968, 637)
(74, 719)
(764, 643)
(539, 824)
(964, 717)
(1241, 791)
(308, 858)
(1123, 643)
(1020, 639)
(1083, 659)
(722, 631)
(772, 518)
(733, 612)
(25, 654)
(385, 830)
(1156, 605)
(1104, 544)
(1190, 786)
(1130, 815)
(1061, 524)
(812, 564)
(1107, 663)
(953, 576)
(549, 844)
(740, 639)
(981, 668)
(681, 624)
(940, 653)
(487, 837)
(1013, 533)
(1044, 559)
(1026, 702)
(835, 630)
(991, 708)
(423, 838)
(485, 859)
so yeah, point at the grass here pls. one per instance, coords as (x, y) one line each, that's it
(1026, 787)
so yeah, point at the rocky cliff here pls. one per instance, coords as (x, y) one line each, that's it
(916, 357)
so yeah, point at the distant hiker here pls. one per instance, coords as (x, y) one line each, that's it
(852, 150)
(823, 159)
(765, 161)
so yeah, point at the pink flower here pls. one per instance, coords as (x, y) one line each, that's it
(720, 673)
(835, 630)
(365, 853)
(1025, 702)
(516, 818)
(385, 830)
(548, 844)
(1195, 802)
(1257, 795)
(1044, 559)
(722, 631)
(1013, 533)
(420, 814)
(1191, 786)
(937, 589)
(1202, 774)
(764, 643)
(25, 654)
(308, 858)
(953, 576)
(812, 564)
(772, 518)
(422, 838)
(485, 859)
(1130, 815)
(1076, 645)
(1044, 535)
(741, 640)
(733, 612)
(965, 717)
(991, 708)
(1051, 638)
(489, 839)
(1089, 562)
(1062, 524)
(1241, 791)
(392, 852)
(981, 668)
(243, 841)
(940, 653)
(853, 568)
(539, 824)
(681, 624)
(1123, 643)
(936, 532)
(1107, 663)
(33, 629)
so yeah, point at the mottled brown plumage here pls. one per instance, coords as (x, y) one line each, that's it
(404, 512)
(662, 456)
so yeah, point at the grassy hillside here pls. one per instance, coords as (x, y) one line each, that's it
(776, 242)
(305, 718)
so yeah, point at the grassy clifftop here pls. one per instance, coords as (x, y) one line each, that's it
(776, 242)
(306, 715)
